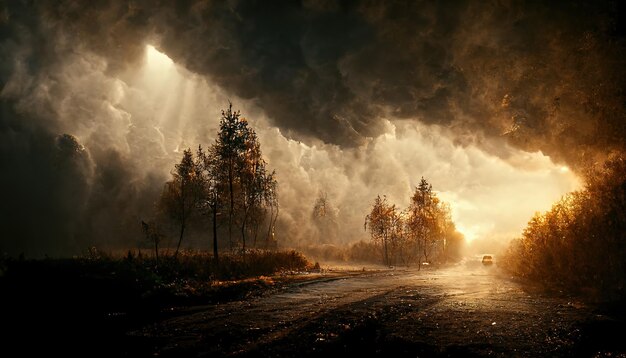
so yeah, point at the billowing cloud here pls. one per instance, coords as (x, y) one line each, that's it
(355, 99)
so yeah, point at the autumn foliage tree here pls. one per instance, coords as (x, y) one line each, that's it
(250, 189)
(424, 232)
(579, 243)
(380, 222)
(429, 224)
(421, 220)
(230, 178)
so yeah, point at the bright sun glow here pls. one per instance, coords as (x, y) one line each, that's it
(468, 233)
(166, 91)
(157, 59)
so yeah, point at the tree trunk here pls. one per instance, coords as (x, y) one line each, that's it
(273, 226)
(232, 202)
(255, 227)
(385, 248)
(419, 255)
(269, 227)
(244, 221)
(215, 253)
(243, 234)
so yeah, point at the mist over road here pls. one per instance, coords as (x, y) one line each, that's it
(457, 311)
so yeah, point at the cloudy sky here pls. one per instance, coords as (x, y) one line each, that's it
(500, 105)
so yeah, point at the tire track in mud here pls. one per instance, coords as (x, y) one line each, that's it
(355, 327)
(237, 326)
(444, 313)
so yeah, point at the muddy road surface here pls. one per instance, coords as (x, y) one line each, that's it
(458, 311)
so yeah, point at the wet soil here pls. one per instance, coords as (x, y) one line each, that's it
(458, 311)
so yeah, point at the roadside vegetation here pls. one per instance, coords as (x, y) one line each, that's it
(89, 304)
(580, 244)
(102, 283)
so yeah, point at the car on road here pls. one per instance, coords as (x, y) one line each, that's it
(487, 260)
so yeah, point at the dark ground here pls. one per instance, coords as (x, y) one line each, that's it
(458, 311)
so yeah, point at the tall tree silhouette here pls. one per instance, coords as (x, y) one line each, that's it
(230, 176)
(242, 172)
(230, 146)
(181, 194)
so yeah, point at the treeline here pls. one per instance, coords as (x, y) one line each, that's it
(226, 187)
(423, 232)
(580, 243)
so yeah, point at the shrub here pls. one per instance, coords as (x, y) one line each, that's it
(579, 244)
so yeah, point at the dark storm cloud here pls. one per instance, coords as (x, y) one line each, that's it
(537, 73)
(546, 77)
(282, 54)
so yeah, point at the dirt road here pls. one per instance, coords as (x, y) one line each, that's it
(458, 311)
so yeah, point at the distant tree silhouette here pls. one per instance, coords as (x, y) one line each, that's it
(242, 172)
(324, 215)
(230, 146)
(181, 195)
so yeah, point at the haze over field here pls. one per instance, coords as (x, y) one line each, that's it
(500, 106)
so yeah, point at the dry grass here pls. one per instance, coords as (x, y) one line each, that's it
(98, 282)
